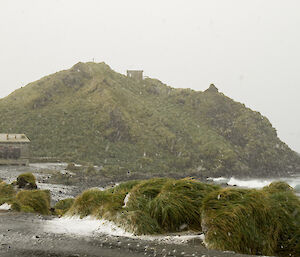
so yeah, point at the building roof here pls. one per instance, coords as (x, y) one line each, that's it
(134, 70)
(14, 138)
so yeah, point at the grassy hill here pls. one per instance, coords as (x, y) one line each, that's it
(91, 113)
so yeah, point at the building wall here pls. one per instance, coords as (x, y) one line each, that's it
(14, 153)
(135, 74)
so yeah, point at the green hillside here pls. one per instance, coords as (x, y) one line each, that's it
(91, 113)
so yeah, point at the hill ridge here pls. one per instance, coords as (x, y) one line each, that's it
(94, 114)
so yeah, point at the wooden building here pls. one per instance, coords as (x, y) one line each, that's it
(14, 149)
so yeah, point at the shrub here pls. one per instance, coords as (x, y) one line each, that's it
(26, 180)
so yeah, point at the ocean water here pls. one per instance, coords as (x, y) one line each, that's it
(293, 181)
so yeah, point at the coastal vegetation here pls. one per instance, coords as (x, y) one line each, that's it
(7, 192)
(250, 221)
(152, 206)
(26, 180)
(260, 222)
(23, 196)
(62, 206)
(37, 201)
(91, 113)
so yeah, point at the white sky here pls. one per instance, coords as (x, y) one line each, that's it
(250, 49)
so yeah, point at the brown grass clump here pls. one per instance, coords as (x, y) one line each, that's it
(7, 193)
(286, 206)
(154, 206)
(178, 204)
(260, 222)
(27, 181)
(97, 203)
(240, 220)
(34, 201)
(62, 206)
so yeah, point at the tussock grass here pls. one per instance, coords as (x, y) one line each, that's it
(286, 206)
(37, 201)
(142, 193)
(88, 202)
(154, 206)
(294, 244)
(261, 222)
(97, 203)
(125, 187)
(26, 180)
(240, 220)
(264, 222)
(178, 204)
(62, 206)
(139, 222)
(7, 192)
(278, 186)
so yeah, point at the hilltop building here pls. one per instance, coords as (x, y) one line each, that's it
(135, 74)
(14, 149)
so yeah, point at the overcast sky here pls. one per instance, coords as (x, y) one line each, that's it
(250, 49)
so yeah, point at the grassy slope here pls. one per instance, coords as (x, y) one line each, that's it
(91, 113)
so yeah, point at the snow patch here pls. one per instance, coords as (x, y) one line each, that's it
(86, 226)
(177, 239)
(5, 207)
(91, 226)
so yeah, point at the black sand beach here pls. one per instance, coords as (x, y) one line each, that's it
(23, 234)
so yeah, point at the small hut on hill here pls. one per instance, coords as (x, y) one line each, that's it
(14, 149)
(135, 74)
